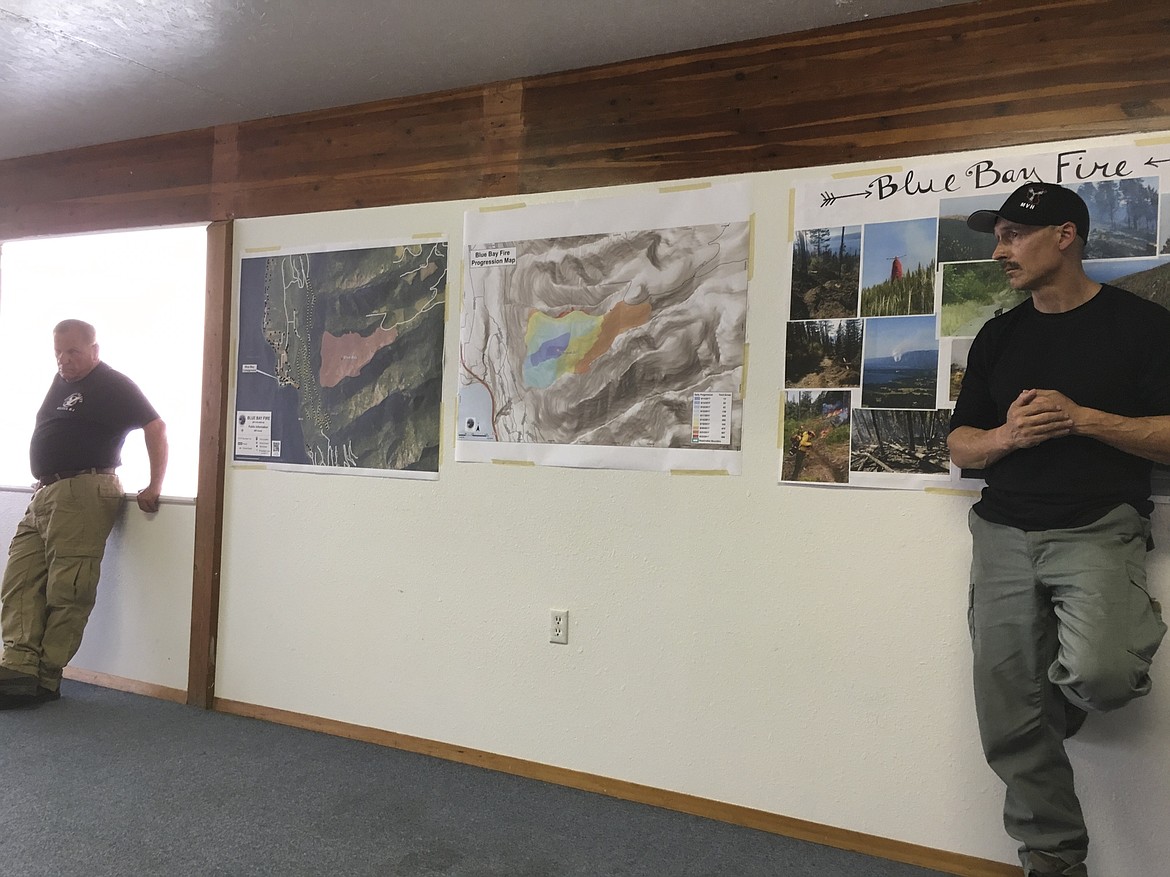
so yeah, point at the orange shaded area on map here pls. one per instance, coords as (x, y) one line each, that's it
(344, 356)
(620, 318)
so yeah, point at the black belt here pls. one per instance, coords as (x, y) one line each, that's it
(46, 480)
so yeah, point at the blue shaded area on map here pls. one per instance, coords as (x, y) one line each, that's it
(551, 349)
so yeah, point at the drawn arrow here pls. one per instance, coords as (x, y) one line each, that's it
(828, 198)
(1154, 162)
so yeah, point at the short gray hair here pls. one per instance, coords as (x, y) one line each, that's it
(88, 332)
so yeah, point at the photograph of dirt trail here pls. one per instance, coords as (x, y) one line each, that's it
(340, 359)
(823, 353)
(973, 293)
(816, 436)
(577, 343)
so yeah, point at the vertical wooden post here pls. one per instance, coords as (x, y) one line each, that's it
(212, 461)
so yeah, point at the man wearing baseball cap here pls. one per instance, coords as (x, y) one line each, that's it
(1065, 403)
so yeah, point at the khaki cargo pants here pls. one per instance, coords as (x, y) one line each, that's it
(1058, 618)
(50, 583)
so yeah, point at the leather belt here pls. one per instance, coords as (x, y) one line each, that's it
(46, 480)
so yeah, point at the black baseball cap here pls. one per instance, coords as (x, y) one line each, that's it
(1036, 204)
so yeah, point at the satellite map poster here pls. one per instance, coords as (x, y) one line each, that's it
(889, 287)
(606, 333)
(340, 360)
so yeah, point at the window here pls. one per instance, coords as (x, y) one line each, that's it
(144, 292)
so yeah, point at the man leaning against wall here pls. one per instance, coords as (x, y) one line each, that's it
(54, 560)
(1065, 403)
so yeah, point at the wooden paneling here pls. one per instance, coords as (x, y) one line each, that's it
(399, 152)
(153, 181)
(977, 75)
(985, 74)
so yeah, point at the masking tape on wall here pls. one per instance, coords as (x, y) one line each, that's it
(743, 377)
(951, 491)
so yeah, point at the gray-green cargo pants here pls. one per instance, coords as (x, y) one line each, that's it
(50, 583)
(1057, 617)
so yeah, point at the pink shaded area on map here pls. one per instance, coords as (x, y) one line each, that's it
(344, 356)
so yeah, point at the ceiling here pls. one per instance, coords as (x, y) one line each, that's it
(80, 72)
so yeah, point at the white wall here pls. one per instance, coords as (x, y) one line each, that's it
(140, 628)
(798, 650)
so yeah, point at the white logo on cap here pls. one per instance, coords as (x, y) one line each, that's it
(1033, 194)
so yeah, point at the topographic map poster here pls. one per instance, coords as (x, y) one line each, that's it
(606, 333)
(341, 358)
(889, 287)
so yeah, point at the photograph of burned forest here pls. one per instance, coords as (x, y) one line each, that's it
(816, 437)
(826, 273)
(823, 353)
(1123, 217)
(908, 442)
(897, 275)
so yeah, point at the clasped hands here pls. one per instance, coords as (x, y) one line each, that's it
(1039, 415)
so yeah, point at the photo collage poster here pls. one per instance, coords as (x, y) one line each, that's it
(888, 288)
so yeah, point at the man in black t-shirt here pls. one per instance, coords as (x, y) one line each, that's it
(1064, 404)
(50, 581)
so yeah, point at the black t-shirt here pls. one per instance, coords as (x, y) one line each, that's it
(1112, 353)
(82, 425)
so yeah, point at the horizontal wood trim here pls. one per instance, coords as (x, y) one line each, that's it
(121, 683)
(977, 75)
(799, 829)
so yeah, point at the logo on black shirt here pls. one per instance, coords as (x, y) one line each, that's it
(71, 402)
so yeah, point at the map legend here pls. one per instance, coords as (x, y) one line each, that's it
(711, 418)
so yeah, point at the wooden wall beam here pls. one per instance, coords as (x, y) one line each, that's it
(213, 446)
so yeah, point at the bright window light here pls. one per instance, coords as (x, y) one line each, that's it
(144, 293)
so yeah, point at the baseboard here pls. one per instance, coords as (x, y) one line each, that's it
(121, 683)
(799, 829)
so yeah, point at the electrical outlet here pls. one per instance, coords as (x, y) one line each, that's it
(558, 628)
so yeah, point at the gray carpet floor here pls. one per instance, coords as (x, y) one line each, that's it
(108, 783)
